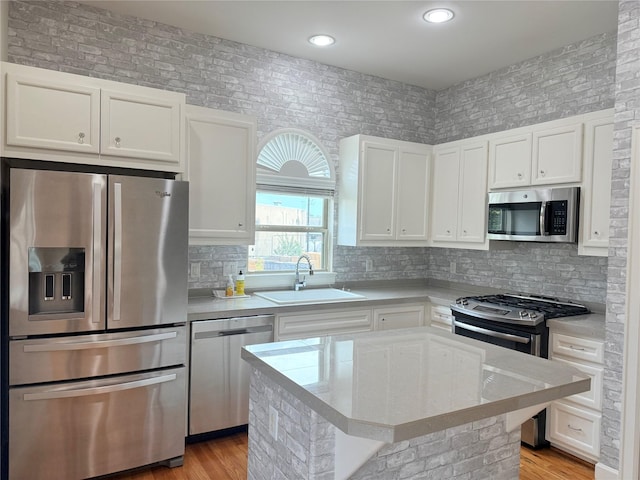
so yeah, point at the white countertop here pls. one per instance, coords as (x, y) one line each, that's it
(206, 308)
(400, 384)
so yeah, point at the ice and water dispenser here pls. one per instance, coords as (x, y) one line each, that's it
(56, 280)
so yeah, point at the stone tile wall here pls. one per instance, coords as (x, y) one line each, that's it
(627, 115)
(305, 446)
(578, 78)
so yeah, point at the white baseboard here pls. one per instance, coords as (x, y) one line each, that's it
(605, 473)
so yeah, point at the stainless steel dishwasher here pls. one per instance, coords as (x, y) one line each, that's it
(219, 389)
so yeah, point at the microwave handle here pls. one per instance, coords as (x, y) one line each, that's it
(543, 219)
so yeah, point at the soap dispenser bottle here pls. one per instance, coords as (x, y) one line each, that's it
(240, 283)
(229, 290)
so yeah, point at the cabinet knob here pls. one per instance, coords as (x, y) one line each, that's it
(388, 230)
(519, 176)
(117, 140)
(596, 233)
(448, 231)
(81, 138)
(542, 173)
(464, 232)
(239, 224)
(404, 230)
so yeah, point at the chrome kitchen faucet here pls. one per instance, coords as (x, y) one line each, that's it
(297, 285)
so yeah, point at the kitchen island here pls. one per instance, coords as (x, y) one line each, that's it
(410, 403)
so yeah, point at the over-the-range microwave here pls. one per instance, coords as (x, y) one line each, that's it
(536, 215)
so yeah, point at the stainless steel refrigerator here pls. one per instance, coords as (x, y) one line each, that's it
(97, 323)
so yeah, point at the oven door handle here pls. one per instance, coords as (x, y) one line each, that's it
(491, 333)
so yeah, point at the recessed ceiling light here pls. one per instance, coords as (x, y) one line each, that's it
(438, 15)
(322, 40)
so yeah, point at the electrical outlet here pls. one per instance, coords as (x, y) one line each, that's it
(273, 422)
(452, 267)
(229, 268)
(368, 265)
(194, 270)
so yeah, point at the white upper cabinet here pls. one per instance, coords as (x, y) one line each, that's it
(46, 114)
(58, 116)
(459, 186)
(544, 154)
(557, 155)
(383, 197)
(596, 187)
(412, 193)
(221, 170)
(140, 126)
(377, 207)
(510, 160)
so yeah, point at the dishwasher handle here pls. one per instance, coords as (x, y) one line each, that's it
(237, 331)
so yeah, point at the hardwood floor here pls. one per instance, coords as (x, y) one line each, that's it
(226, 459)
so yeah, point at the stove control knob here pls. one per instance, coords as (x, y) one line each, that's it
(465, 302)
(458, 301)
(522, 313)
(533, 314)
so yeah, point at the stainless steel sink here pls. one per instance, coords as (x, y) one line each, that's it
(311, 295)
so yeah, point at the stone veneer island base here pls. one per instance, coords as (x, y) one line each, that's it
(411, 404)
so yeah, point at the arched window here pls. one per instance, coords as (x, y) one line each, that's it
(295, 187)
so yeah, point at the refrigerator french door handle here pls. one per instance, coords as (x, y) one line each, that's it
(97, 254)
(118, 342)
(84, 392)
(117, 250)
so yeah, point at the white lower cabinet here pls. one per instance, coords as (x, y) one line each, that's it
(335, 321)
(399, 316)
(440, 317)
(575, 430)
(573, 423)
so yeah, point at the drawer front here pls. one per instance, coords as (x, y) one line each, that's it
(441, 317)
(328, 323)
(579, 348)
(592, 398)
(83, 356)
(96, 427)
(575, 428)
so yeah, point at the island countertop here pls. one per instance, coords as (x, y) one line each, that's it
(396, 385)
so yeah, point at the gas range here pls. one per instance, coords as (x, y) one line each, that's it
(517, 308)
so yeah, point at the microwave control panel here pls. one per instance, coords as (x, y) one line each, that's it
(558, 217)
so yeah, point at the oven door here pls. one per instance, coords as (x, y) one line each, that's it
(519, 339)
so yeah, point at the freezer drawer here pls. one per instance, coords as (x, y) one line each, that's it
(84, 429)
(66, 358)
(219, 392)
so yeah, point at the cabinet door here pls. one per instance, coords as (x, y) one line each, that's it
(140, 127)
(596, 190)
(400, 316)
(412, 195)
(221, 174)
(557, 155)
(472, 203)
(510, 161)
(52, 115)
(446, 172)
(377, 205)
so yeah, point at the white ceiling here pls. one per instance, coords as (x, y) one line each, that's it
(389, 39)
